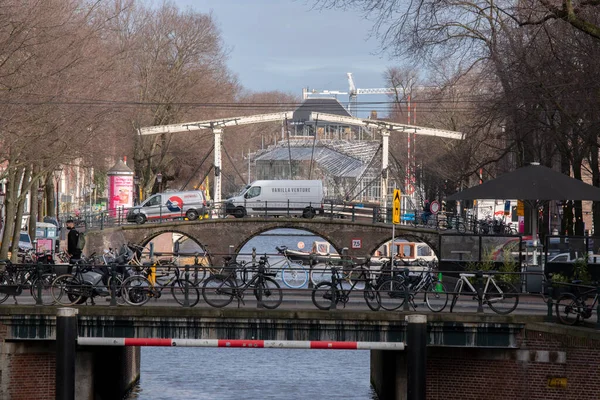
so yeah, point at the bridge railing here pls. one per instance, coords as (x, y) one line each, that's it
(41, 283)
(163, 214)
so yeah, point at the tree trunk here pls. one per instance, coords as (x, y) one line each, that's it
(20, 208)
(50, 194)
(10, 201)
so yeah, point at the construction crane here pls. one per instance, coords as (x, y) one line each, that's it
(385, 127)
(353, 93)
(217, 125)
(306, 94)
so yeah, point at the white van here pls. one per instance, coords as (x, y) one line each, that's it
(169, 205)
(278, 197)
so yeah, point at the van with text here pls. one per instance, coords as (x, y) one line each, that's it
(278, 197)
(169, 205)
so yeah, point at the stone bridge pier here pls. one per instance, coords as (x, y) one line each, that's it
(218, 234)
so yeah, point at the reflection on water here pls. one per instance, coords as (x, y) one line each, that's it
(210, 373)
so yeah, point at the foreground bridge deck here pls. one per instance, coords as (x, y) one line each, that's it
(457, 329)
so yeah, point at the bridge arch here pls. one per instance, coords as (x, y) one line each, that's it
(217, 235)
(315, 232)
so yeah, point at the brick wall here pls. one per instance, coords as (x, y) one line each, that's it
(30, 374)
(470, 374)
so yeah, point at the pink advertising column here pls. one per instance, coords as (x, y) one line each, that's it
(120, 189)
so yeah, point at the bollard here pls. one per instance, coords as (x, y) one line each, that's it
(416, 357)
(288, 208)
(66, 347)
(479, 292)
(550, 290)
(101, 221)
(406, 293)
(375, 212)
(151, 255)
(353, 213)
(38, 301)
(113, 290)
(331, 212)
(186, 293)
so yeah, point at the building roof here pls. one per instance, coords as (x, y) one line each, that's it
(339, 158)
(322, 105)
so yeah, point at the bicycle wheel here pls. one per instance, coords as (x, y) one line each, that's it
(272, 296)
(502, 297)
(178, 292)
(372, 298)
(46, 285)
(118, 287)
(436, 296)
(294, 275)
(322, 295)
(136, 290)
(4, 280)
(569, 309)
(442, 224)
(218, 291)
(457, 290)
(67, 290)
(391, 294)
(354, 275)
(320, 273)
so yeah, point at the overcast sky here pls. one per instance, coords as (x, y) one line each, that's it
(284, 45)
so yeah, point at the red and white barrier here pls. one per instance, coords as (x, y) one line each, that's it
(237, 343)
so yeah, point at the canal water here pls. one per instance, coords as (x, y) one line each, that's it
(208, 373)
(169, 373)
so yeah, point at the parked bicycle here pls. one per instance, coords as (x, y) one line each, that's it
(33, 277)
(220, 290)
(574, 308)
(293, 274)
(348, 271)
(83, 284)
(450, 222)
(435, 295)
(325, 294)
(500, 296)
(137, 290)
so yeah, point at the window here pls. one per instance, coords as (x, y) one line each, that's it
(153, 201)
(253, 192)
(423, 251)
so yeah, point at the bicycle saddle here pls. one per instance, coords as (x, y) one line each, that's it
(576, 281)
(281, 249)
(227, 258)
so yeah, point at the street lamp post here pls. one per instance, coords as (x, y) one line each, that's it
(92, 187)
(136, 183)
(57, 176)
(159, 180)
(40, 197)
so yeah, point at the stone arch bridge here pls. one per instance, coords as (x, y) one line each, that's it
(218, 234)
